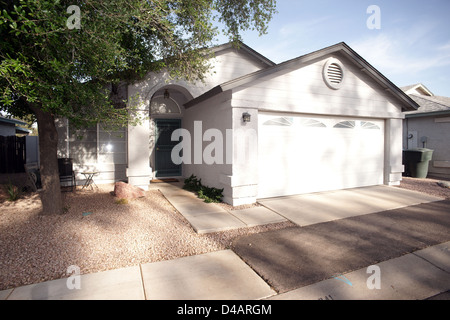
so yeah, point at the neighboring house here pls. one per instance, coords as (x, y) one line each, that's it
(429, 127)
(10, 127)
(326, 120)
(16, 150)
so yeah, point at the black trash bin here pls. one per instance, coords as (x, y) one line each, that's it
(416, 161)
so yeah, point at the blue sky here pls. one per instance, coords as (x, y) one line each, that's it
(411, 46)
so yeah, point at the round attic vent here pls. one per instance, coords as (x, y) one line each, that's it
(333, 73)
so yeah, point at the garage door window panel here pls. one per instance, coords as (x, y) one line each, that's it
(345, 124)
(369, 125)
(311, 123)
(280, 121)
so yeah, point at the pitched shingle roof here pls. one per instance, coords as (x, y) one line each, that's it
(433, 104)
(12, 120)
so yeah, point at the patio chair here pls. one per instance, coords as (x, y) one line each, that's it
(66, 174)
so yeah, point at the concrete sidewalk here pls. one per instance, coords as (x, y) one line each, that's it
(222, 275)
(415, 276)
(210, 217)
(219, 275)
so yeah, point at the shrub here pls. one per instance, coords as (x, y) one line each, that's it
(209, 194)
(13, 192)
(192, 184)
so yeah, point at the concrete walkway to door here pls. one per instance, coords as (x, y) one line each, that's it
(307, 209)
(210, 217)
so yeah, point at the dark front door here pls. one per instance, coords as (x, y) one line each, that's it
(164, 165)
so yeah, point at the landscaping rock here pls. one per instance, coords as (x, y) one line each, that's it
(444, 184)
(124, 190)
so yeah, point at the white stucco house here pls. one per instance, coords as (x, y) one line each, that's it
(326, 120)
(429, 127)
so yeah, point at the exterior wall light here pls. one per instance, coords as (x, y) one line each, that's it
(246, 117)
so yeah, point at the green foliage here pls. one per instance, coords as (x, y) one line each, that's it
(49, 69)
(13, 192)
(238, 15)
(192, 183)
(209, 194)
(66, 209)
(69, 72)
(121, 201)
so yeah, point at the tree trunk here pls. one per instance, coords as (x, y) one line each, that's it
(48, 144)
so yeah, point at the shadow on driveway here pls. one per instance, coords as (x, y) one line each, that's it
(295, 257)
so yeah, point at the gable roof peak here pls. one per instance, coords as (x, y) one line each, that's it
(417, 88)
(239, 45)
(408, 104)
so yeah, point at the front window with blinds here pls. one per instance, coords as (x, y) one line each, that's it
(97, 145)
(112, 146)
(83, 144)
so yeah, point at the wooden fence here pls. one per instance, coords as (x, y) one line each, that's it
(13, 154)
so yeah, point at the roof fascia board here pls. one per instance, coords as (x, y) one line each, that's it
(22, 130)
(13, 121)
(257, 55)
(426, 114)
(249, 51)
(208, 94)
(381, 79)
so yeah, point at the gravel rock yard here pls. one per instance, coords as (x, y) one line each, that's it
(97, 234)
(429, 186)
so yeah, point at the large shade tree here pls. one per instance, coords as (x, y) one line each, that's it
(65, 58)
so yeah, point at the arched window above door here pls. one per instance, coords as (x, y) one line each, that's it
(162, 105)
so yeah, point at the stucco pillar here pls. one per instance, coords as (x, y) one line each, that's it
(393, 152)
(244, 180)
(138, 170)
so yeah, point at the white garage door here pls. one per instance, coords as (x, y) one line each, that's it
(302, 154)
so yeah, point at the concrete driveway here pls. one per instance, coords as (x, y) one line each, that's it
(343, 231)
(295, 257)
(320, 207)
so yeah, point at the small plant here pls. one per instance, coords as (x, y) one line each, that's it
(209, 194)
(121, 201)
(13, 192)
(192, 183)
